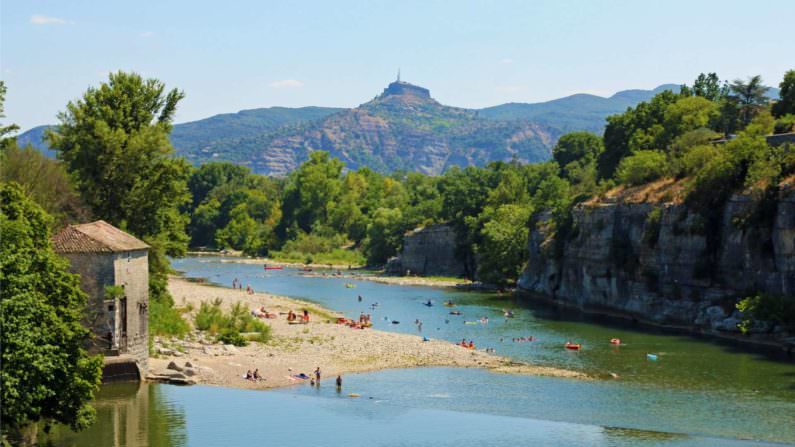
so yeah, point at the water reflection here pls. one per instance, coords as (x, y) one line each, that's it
(128, 415)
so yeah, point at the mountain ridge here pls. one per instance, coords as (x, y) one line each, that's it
(402, 128)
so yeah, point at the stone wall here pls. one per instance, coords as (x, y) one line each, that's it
(131, 271)
(431, 251)
(620, 260)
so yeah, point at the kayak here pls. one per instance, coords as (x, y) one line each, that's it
(455, 312)
(274, 267)
(573, 346)
(615, 341)
(350, 286)
(652, 357)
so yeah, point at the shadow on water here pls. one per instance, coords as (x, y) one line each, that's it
(129, 414)
(551, 311)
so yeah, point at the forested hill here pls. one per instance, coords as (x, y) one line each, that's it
(397, 130)
(394, 131)
(576, 112)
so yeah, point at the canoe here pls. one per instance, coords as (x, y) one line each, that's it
(573, 346)
(652, 357)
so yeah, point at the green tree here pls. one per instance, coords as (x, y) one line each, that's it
(46, 374)
(45, 181)
(114, 142)
(11, 128)
(384, 235)
(577, 146)
(707, 86)
(642, 167)
(309, 190)
(786, 102)
(503, 249)
(750, 96)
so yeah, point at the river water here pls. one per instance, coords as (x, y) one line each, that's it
(697, 392)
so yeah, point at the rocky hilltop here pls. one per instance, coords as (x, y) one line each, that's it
(638, 253)
(403, 128)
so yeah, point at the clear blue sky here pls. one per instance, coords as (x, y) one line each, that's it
(231, 55)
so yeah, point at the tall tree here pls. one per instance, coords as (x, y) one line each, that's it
(5, 130)
(46, 373)
(786, 103)
(114, 142)
(750, 95)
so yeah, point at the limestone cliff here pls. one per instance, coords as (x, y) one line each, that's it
(662, 262)
(431, 251)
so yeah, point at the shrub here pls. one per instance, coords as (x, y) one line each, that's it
(785, 124)
(229, 326)
(697, 157)
(164, 319)
(651, 231)
(642, 167)
(779, 309)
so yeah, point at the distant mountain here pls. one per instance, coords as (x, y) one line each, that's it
(35, 138)
(403, 128)
(576, 112)
(191, 139)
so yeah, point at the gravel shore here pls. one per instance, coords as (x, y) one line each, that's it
(300, 348)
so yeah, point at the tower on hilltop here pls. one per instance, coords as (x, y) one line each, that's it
(403, 88)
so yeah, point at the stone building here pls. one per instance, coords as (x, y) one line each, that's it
(104, 256)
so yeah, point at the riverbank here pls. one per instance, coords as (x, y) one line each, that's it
(777, 348)
(300, 348)
(343, 271)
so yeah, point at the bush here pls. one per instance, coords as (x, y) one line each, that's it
(642, 167)
(164, 319)
(227, 327)
(697, 157)
(785, 124)
(651, 231)
(778, 309)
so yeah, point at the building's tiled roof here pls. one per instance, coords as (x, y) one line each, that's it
(95, 237)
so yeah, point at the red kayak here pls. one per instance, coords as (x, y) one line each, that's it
(273, 267)
(573, 346)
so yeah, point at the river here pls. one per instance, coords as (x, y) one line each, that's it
(697, 392)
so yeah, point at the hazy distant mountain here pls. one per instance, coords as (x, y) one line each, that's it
(576, 112)
(404, 128)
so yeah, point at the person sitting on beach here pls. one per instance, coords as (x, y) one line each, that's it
(306, 316)
(249, 375)
(471, 345)
(463, 342)
(290, 316)
(256, 375)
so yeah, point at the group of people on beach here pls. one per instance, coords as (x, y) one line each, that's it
(254, 376)
(293, 317)
(238, 285)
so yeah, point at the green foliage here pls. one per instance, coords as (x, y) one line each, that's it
(164, 319)
(45, 181)
(785, 124)
(750, 95)
(46, 373)
(776, 309)
(384, 235)
(503, 250)
(786, 103)
(5, 130)
(642, 167)
(228, 327)
(577, 146)
(114, 142)
(651, 230)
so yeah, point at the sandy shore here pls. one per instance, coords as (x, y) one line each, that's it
(336, 349)
(352, 272)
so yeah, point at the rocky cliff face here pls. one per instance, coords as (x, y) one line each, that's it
(663, 263)
(429, 251)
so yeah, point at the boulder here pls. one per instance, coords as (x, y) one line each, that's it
(173, 366)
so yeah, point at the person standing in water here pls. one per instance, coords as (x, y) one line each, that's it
(339, 382)
(317, 375)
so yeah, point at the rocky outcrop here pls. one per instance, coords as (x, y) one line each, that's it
(429, 250)
(664, 263)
